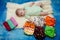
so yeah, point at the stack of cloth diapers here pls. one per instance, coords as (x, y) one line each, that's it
(40, 27)
(49, 29)
(10, 24)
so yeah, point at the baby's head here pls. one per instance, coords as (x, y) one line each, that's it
(20, 12)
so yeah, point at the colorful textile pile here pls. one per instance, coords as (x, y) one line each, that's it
(10, 24)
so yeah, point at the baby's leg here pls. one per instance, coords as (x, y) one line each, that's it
(43, 13)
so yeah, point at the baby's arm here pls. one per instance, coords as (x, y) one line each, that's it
(31, 4)
(28, 18)
(38, 4)
(35, 4)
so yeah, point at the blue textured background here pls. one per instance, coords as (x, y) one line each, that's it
(18, 34)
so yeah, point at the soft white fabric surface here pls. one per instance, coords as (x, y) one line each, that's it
(11, 8)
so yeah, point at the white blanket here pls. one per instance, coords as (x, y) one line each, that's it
(11, 8)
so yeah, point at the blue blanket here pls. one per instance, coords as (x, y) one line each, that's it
(18, 34)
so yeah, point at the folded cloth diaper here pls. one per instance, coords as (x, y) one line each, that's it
(14, 21)
(11, 24)
(50, 21)
(29, 28)
(38, 20)
(6, 26)
(50, 31)
(39, 33)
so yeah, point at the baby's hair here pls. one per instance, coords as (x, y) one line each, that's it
(17, 11)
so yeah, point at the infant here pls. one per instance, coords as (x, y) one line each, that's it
(34, 9)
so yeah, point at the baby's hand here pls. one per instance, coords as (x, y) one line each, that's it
(30, 20)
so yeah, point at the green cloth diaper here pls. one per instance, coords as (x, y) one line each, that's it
(10, 24)
(50, 31)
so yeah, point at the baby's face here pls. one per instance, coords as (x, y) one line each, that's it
(20, 12)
